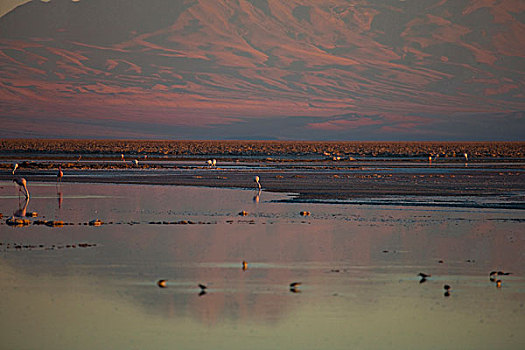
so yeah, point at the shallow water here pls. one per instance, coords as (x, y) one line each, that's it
(85, 287)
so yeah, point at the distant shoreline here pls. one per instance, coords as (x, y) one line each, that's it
(328, 149)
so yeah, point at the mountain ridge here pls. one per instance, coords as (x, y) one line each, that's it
(201, 63)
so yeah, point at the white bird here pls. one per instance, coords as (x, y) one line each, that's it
(256, 180)
(136, 162)
(466, 156)
(21, 182)
(15, 166)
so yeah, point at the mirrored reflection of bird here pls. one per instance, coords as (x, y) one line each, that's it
(244, 265)
(162, 283)
(22, 183)
(493, 274)
(498, 284)
(424, 277)
(447, 289)
(257, 197)
(60, 199)
(256, 180)
(203, 289)
(294, 287)
(22, 210)
(15, 166)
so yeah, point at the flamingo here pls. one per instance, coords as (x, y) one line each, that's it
(256, 180)
(136, 162)
(466, 156)
(213, 162)
(122, 156)
(209, 163)
(21, 182)
(60, 174)
(15, 166)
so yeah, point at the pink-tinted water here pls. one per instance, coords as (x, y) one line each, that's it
(86, 287)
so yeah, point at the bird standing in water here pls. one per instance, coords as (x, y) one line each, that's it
(22, 183)
(161, 283)
(15, 166)
(60, 174)
(256, 180)
(294, 287)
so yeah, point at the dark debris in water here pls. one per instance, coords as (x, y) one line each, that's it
(31, 247)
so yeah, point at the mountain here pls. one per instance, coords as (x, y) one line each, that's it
(264, 69)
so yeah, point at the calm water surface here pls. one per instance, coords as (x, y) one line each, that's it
(358, 266)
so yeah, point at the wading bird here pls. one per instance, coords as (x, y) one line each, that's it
(60, 174)
(136, 162)
(122, 156)
(447, 289)
(466, 156)
(203, 289)
(161, 283)
(256, 180)
(22, 183)
(15, 166)
(424, 277)
(294, 286)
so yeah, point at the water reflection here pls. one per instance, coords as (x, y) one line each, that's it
(60, 199)
(22, 209)
(358, 266)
